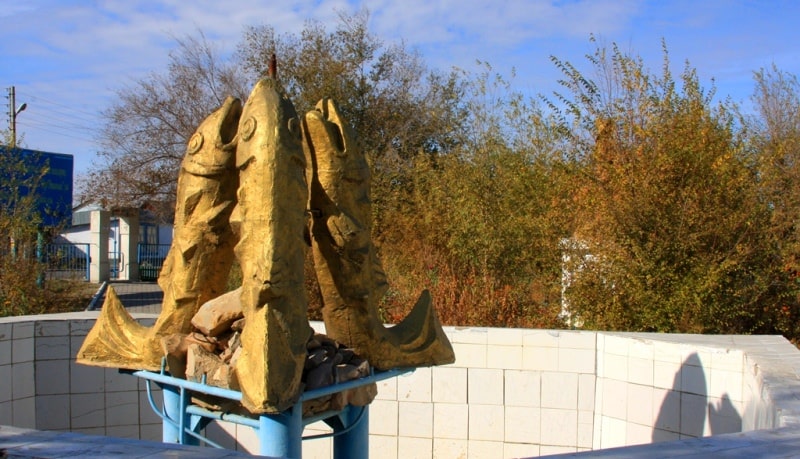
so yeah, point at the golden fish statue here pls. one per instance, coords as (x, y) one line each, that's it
(270, 220)
(199, 260)
(348, 271)
(247, 180)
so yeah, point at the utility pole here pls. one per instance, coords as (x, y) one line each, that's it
(13, 111)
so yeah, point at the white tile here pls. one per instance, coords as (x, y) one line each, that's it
(664, 435)
(615, 366)
(50, 348)
(540, 338)
(86, 379)
(123, 431)
(22, 350)
(6, 385)
(483, 449)
(247, 439)
(470, 355)
(522, 388)
(578, 340)
(615, 397)
(519, 450)
(616, 345)
(667, 352)
(640, 371)
(122, 408)
(24, 412)
(87, 410)
(119, 382)
(637, 434)
(729, 359)
(693, 415)
(52, 377)
(640, 349)
(446, 447)
(586, 391)
(6, 413)
(414, 448)
(485, 386)
(415, 387)
(415, 419)
(387, 389)
(146, 413)
(576, 360)
(549, 450)
(506, 357)
(5, 331)
(559, 427)
(486, 422)
(667, 375)
(693, 380)
(560, 390)
(52, 412)
(585, 434)
(224, 434)
(540, 358)
(317, 449)
(22, 380)
(724, 382)
(522, 424)
(612, 433)
(52, 328)
(640, 404)
(666, 410)
(474, 335)
(5, 352)
(22, 330)
(449, 385)
(724, 416)
(585, 417)
(451, 421)
(382, 446)
(505, 336)
(383, 417)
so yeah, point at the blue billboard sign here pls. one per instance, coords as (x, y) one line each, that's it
(54, 190)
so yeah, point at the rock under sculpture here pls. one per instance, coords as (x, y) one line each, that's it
(251, 176)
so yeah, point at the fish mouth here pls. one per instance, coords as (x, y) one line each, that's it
(229, 122)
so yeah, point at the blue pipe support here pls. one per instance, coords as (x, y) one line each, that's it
(353, 443)
(279, 434)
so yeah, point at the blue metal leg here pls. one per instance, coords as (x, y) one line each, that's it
(280, 435)
(354, 443)
(170, 427)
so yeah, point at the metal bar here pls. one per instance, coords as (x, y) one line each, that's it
(353, 441)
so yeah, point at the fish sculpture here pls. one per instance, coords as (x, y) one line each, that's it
(347, 267)
(197, 266)
(270, 220)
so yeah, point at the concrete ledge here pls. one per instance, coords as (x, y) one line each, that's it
(776, 443)
(24, 443)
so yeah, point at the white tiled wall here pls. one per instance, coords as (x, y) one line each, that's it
(43, 388)
(510, 393)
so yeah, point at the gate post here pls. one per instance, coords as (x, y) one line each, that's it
(98, 265)
(129, 241)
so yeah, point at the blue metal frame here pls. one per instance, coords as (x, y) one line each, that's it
(280, 434)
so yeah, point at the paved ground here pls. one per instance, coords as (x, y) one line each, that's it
(139, 296)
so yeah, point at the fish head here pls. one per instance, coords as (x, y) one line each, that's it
(211, 148)
(269, 122)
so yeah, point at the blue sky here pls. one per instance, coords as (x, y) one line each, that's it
(67, 58)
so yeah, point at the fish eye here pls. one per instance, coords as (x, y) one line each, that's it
(195, 143)
(248, 128)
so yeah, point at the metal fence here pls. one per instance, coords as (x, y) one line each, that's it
(67, 261)
(150, 258)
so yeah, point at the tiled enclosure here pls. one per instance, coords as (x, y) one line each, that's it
(511, 392)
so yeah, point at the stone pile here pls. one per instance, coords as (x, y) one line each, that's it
(210, 352)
